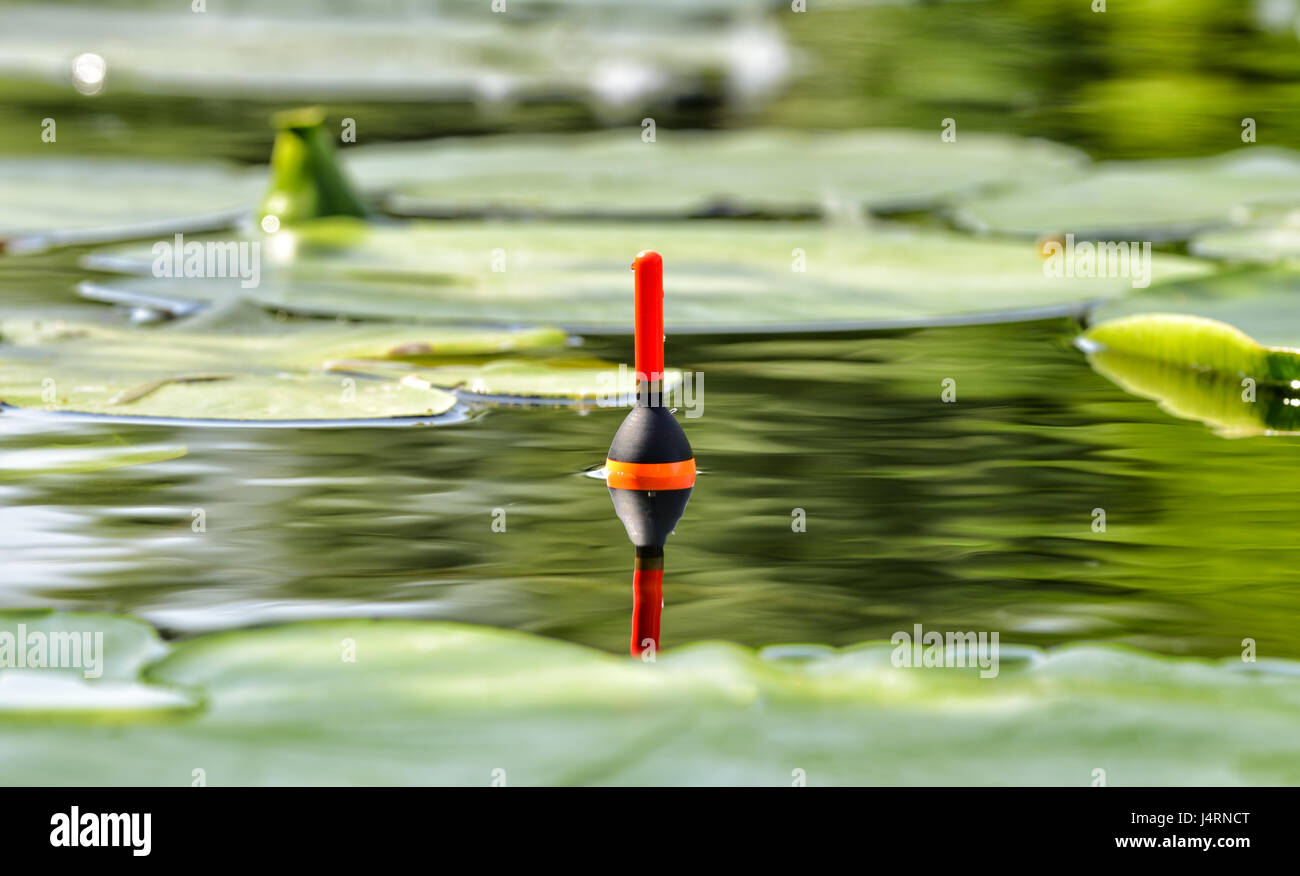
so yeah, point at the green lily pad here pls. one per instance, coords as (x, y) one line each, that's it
(720, 276)
(128, 642)
(1264, 304)
(239, 367)
(235, 398)
(56, 201)
(690, 173)
(238, 363)
(577, 380)
(1267, 239)
(435, 703)
(81, 665)
(1166, 199)
(1201, 369)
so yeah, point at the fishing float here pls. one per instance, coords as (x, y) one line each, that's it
(650, 469)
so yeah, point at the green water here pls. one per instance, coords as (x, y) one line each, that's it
(1146, 79)
(976, 514)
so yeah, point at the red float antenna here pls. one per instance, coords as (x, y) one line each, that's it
(648, 268)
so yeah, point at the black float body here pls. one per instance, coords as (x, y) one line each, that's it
(650, 435)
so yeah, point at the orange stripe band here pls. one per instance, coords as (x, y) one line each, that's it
(650, 475)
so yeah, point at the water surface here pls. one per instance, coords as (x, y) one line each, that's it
(972, 515)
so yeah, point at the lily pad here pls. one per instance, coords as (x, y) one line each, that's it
(568, 381)
(242, 368)
(1264, 304)
(59, 201)
(83, 665)
(220, 397)
(1201, 369)
(236, 362)
(720, 276)
(1268, 239)
(435, 703)
(1158, 200)
(770, 172)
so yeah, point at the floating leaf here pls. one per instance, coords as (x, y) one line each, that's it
(129, 642)
(62, 201)
(240, 334)
(1201, 369)
(1265, 304)
(1196, 343)
(691, 173)
(242, 398)
(240, 368)
(725, 275)
(236, 362)
(560, 380)
(1266, 239)
(1166, 199)
(435, 703)
(81, 665)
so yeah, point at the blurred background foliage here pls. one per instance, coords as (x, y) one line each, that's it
(1145, 78)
